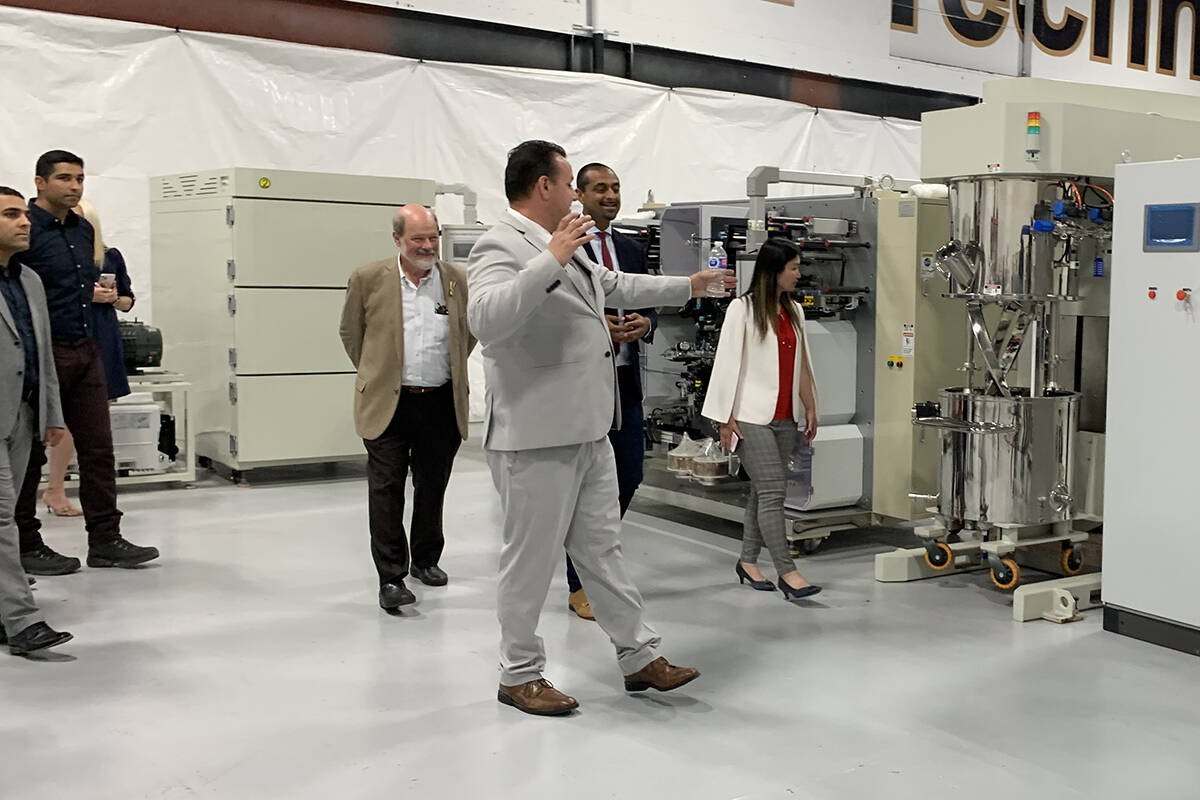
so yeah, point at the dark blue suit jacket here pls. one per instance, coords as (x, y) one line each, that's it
(631, 258)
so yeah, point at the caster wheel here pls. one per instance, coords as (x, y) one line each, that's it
(1072, 561)
(939, 555)
(1007, 575)
(204, 462)
(810, 546)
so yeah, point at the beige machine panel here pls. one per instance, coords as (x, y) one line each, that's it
(189, 247)
(282, 184)
(302, 243)
(1042, 90)
(289, 331)
(921, 364)
(295, 418)
(1075, 140)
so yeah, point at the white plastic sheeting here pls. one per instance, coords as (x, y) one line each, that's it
(136, 100)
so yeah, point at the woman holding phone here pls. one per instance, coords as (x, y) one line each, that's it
(112, 292)
(761, 392)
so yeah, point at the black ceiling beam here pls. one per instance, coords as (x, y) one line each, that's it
(435, 37)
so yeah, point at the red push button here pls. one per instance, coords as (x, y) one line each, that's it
(1183, 294)
(1152, 294)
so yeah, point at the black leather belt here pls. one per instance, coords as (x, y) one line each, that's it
(421, 389)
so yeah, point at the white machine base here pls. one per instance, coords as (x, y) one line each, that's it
(909, 564)
(1058, 600)
(809, 529)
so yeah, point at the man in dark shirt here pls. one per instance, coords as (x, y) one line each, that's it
(28, 407)
(61, 253)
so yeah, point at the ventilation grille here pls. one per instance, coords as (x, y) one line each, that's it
(180, 186)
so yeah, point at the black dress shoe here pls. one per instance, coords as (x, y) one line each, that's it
(430, 576)
(122, 554)
(394, 594)
(762, 586)
(44, 561)
(795, 594)
(37, 636)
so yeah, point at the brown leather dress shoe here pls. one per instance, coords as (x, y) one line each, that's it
(537, 697)
(578, 602)
(660, 675)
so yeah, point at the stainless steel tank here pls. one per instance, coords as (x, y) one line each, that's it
(1006, 459)
(998, 252)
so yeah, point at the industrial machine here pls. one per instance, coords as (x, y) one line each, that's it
(141, 344)
(1029, 261)
(249, 279)
(1150, 546)
(457, 241)
(863, 254)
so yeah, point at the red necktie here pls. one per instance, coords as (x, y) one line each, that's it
(604, 256)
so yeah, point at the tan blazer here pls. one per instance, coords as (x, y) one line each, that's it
(372, 332)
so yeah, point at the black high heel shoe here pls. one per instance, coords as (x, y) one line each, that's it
(762, 586)
(795, 594)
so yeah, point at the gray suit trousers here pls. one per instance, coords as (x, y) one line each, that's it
(554, 497)
(17, 609)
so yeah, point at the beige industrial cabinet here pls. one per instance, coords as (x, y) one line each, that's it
(249, 270)
(918, 349)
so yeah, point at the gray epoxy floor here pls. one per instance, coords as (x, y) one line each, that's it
(253, 662)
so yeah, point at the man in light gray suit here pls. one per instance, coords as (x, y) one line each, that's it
(536, 304)
(29, 404)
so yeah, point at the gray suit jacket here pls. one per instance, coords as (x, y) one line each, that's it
(12, 360)
(547, 354)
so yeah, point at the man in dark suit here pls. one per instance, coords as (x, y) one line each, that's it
(599, 190)
(61, 252)
(29, 408)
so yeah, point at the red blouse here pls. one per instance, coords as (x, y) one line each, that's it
(787, 365)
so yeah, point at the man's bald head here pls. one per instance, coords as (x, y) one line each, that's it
(415, 231)
(409, 214)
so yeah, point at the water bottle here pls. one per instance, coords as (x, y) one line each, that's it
(799, 474)
(717, 259)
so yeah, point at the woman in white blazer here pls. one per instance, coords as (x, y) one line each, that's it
(761, 390)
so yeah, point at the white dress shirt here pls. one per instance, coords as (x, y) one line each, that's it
(608, 245)
(541, 235)
(426, 332)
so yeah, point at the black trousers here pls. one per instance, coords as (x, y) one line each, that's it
(423, 435)
(629, 448)
(83, 388)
